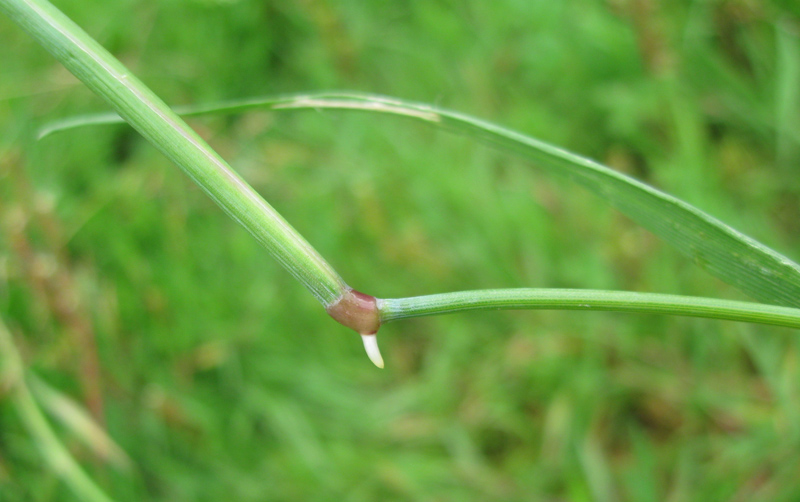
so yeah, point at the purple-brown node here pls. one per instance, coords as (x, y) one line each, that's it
(357, 311)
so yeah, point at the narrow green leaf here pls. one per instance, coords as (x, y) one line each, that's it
(746, 264)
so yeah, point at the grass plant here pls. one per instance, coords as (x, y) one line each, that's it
(570, 427)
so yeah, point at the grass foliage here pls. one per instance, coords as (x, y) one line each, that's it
(220, 377)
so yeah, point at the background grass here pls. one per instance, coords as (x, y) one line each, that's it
(222, 378)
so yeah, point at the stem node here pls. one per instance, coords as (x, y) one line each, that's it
(357, 311)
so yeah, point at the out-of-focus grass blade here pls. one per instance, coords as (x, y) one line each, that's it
(755, 269)
(55, 454)
(79, 422)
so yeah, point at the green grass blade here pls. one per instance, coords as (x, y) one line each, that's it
(587, 299)
(151, 117)
(746, 264)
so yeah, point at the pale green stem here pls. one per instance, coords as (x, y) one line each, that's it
(149, 115)
(587, 299)
(31, 416)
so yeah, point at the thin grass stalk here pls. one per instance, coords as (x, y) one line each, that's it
(589, 300)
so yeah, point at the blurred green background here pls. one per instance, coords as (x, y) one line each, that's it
(221, 378)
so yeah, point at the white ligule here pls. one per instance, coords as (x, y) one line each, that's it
(371, 346)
